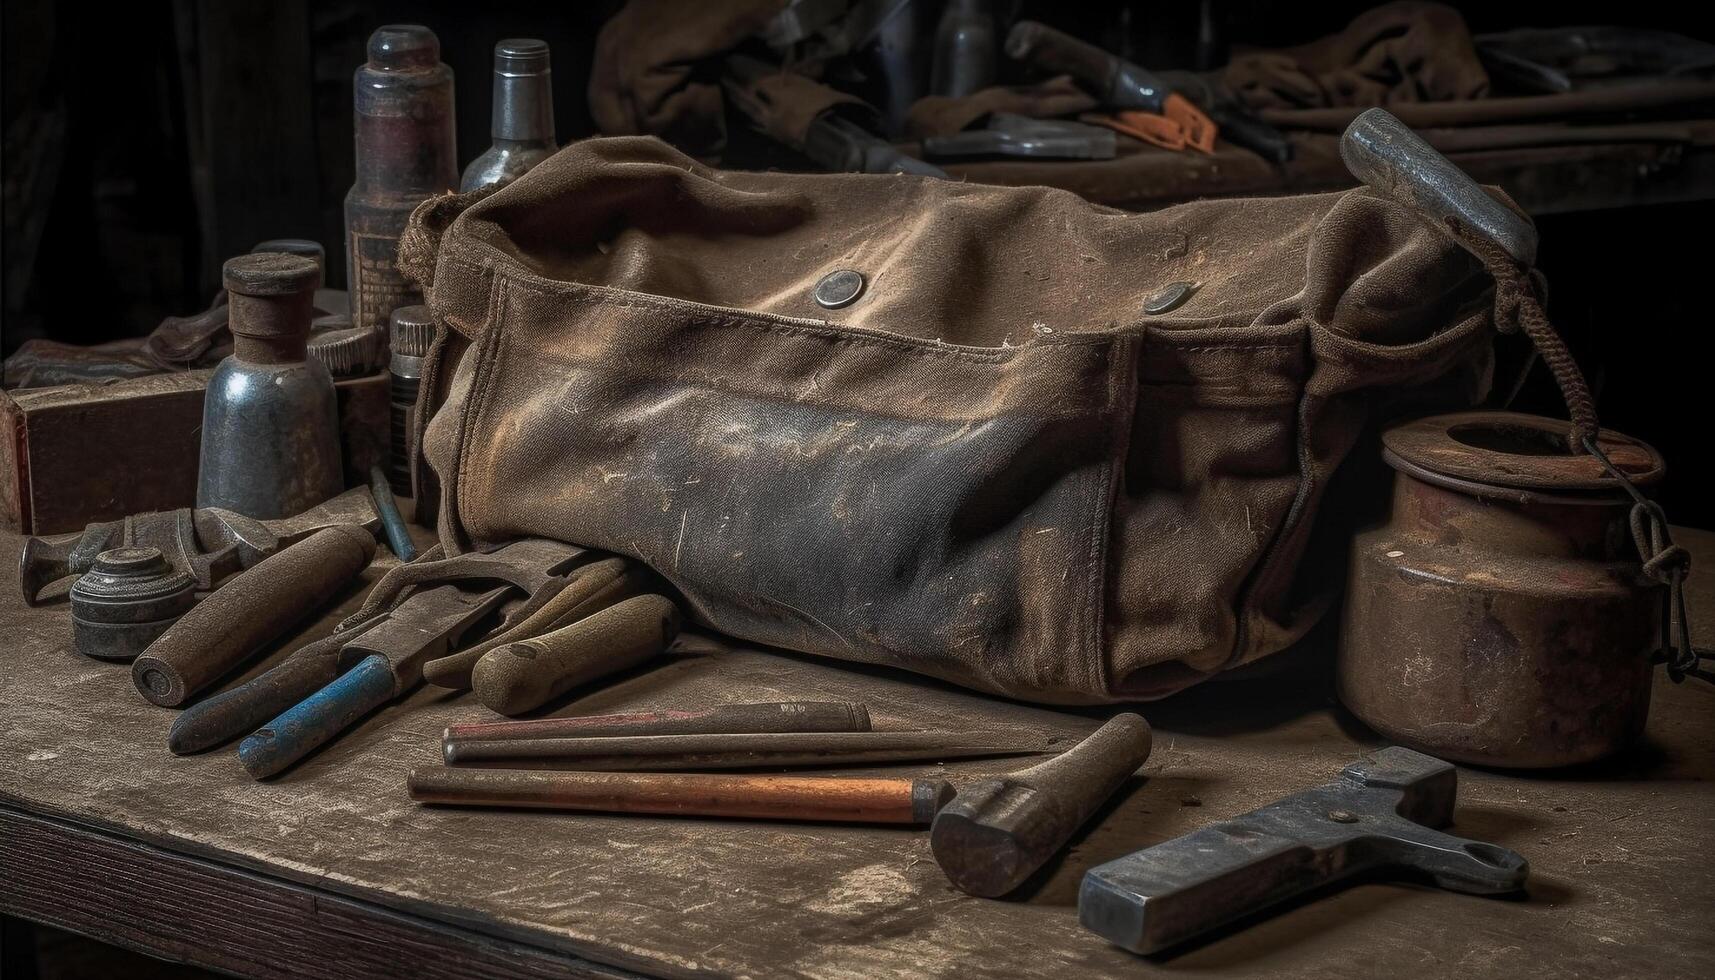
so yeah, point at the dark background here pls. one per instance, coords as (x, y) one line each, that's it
(145, 142)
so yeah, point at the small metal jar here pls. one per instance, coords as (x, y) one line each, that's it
(1500, 616)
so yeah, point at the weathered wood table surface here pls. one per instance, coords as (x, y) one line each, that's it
(329, 870)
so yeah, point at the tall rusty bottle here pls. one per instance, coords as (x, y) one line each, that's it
(405, 154)
(1501, 616)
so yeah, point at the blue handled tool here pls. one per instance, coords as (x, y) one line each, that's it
(383, 663)
(227, 715)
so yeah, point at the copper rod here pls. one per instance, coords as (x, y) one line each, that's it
(836, 799)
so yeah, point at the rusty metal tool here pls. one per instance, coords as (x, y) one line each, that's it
(1118, 83)
(525, 674)
(587, 589)
(418, 614)
(1377, 816)
(768, 716)
(207, 542)
(378, 665)
(728, 751)
(538, 567)
(818, 798)
(251, 611)
(250, 705)
(997, 832)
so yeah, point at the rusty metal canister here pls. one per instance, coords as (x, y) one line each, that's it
(1500, 616)
(405, 154)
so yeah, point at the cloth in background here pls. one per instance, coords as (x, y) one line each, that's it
(1398, 52)
(656, 68)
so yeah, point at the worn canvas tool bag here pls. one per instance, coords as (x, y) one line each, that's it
(1010, 461)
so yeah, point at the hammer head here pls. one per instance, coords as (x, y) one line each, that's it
(997, 832)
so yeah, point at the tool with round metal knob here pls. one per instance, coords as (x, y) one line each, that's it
(125, 601)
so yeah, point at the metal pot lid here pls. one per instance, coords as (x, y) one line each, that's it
(1510, 449)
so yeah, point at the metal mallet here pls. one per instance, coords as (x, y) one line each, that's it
(997, 832)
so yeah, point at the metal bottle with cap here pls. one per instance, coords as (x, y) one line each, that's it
(405, 154)
(410, 333)
(523, 126)
(270, 423)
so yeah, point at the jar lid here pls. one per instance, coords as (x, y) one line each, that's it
(346, 351)
(130, 575)
(1517, 451)
(411, 330)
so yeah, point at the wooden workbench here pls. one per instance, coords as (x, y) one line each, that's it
(330, 870)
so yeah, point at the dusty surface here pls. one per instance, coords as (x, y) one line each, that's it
(1621, 883)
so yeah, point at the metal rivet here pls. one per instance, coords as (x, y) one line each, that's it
(1170, 298)
(839, 288)
(1342, 816)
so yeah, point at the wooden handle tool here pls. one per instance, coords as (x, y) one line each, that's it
(832, 799)
(591, 588)
(250, 612)
(526, 674)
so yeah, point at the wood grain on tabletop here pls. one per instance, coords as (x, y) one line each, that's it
(1619, 885)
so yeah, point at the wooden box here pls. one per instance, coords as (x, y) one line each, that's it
(73, 454)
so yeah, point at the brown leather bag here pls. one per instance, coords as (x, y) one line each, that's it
(1003, 463)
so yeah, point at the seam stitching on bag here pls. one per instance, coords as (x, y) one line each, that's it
(1232, 347)
(488, 354)
(1102, 523)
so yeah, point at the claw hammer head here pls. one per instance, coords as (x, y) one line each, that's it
(997, 832)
